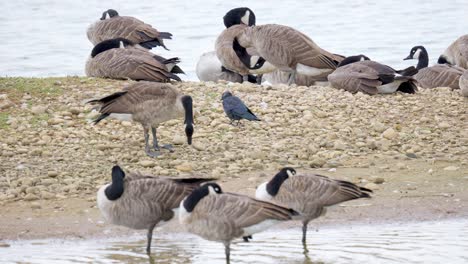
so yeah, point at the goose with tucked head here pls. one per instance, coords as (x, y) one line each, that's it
(111, 25)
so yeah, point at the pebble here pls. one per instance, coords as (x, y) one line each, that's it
(198, 146)
(185, 167)
(38, 109)
(52, 174)
(179, 140)
(30, 197)
(451, 168)
(36, 205)
(371, 186)
(389, 134)
(378, 180)
(147, 163)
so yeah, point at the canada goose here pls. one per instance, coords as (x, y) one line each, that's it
(456, 53)
(235, 109)
(209, 68)
(149, 104)
(141, 202)
(359, 74)
(112, 26)
(237, 58)
(439, 75)
(240, 15)
(288, 50)
(218, 216)
(118, 59)
(308, 194)
(464, 84)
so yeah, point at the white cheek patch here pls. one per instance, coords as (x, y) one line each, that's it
(290, 173)
(416, 54)
(253, 61)
(121, 45)
(245, 18)
(362, 59)
(211, 190)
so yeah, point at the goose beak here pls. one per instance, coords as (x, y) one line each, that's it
(408, 58)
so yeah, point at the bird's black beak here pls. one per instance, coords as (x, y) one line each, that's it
(408, 58)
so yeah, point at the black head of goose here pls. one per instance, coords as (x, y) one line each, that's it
(308, 194)
(218, 216)
(111, 25)
(142, 201)
(240, 15)
(109, 12)
(439, 75)
(357, 74)
(149, 104)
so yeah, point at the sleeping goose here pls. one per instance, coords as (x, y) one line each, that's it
(308, 194)
(141, 202)
(240, 15)
(359, 74)
(112, 26)
(237, 58)
(456, 53)
(439, 75)
(149, 104)
(287, 49)
(118, 59)
(218, 216)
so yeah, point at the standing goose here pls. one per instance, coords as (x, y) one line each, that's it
(359, 74)
(141, 202)
(112, 26)
(439, 75)
(218, 216)
(308, 194)
(118, 59)
(287, 49)
(209, 68)
(149, 104)
(237, 58)
(456, 53)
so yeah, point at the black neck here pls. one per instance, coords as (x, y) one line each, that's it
(192, 200)
(188, 107)
(107, 45)
(274, 185)
(349, 60)
(116, 189)
(423, 60)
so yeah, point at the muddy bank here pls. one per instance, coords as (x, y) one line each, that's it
(411, 149)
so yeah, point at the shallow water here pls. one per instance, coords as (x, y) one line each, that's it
(426, 242)
(48, 37)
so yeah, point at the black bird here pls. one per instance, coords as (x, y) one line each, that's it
(235, 109)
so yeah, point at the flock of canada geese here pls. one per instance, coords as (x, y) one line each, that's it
(244, 52)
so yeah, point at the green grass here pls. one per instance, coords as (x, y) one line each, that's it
(36, 119)
(16, 87)
(3, 120)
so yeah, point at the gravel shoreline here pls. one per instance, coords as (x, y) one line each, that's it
(51, 152)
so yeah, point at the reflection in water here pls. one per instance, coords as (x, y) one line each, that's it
(427, 242)
(48, 38)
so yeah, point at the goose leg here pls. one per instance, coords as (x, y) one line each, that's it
(148, 151)
(155, 142)
(259, 79)
(304, 235)
(292, 78)
(150, 237)
(227, 251)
